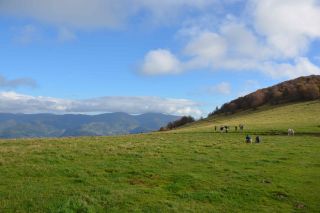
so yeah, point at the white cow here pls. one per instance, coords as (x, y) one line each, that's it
(290, 132)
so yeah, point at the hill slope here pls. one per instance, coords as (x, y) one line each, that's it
(50, 125)
(304, 117)
(296, 90)
(192, 169)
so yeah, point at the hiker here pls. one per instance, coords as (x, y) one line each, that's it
(226, 129)
(236, 128)
(248, 139)
(215, 128)
(258, 139)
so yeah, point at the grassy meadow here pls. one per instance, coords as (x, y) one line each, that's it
(192, 169)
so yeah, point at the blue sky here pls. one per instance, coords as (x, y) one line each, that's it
(177, 57)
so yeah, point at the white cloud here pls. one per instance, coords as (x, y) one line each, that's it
(222, 88)
(288, 25)
(160, 61)
(269, 30)
(280, 32)
(206, 47)
(242, 42)
(301, 66)
(18, 82)
(19, 103)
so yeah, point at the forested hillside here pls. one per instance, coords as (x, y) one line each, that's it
(299, 89)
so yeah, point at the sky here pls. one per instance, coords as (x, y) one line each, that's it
(181, 57)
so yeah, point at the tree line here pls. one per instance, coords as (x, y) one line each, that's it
(180, 122)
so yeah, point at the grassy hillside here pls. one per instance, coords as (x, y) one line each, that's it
(303, 117)
(188, 170)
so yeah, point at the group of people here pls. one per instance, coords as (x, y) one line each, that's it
(249, 139)
(225, 128)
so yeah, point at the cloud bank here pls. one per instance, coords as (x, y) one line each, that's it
(13, 102)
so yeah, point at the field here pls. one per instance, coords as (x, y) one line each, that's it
(192, 169)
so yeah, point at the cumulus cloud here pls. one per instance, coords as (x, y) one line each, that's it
(300, 66)
(269, 34)
(272, 43)
(206, 47)
(19, 103)
(160, 61)
(288, 25)
(18, 82)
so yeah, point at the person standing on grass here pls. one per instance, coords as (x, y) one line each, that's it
(258, 139)
(248, 139)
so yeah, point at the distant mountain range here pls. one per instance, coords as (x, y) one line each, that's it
(51, 125)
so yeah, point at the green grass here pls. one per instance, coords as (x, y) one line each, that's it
(302, 117)
(188, 170)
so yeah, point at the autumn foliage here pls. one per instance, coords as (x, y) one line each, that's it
(300, 89)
